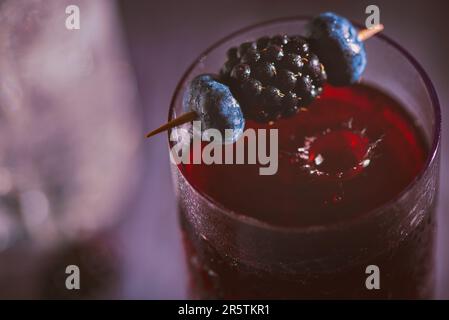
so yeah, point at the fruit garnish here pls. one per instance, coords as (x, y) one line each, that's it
(274, 77)
(211, 102)
(215, 106)
(336, 41)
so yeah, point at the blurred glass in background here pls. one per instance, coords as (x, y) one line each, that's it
(69, 133)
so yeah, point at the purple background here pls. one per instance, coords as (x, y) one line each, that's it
(165, 36)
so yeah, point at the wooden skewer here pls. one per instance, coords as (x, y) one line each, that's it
(184, 118)
(363, 35)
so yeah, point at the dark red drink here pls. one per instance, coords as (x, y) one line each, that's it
(353, 150)
(355, 188)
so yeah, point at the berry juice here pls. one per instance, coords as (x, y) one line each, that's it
(311, 229)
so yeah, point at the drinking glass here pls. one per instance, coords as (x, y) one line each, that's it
(230, 255)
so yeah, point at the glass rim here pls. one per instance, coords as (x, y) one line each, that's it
(236, 215)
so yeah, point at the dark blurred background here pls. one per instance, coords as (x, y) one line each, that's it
(126, 60)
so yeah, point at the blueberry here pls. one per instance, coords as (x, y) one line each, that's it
(215, 105)
(335, 40)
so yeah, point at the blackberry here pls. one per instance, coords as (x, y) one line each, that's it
(262, 42)
(280, 40)
(232, 54)
(240, 72)
(251, 88)
(297, 45)
(293, 62)
(265, 72)
(245, 47)
(316, 70)
(272, 97)
(291, 102)
(286, 80)
(272, 53)
(273, 77)
(251, 56)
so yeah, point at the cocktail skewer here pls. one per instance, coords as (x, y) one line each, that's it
(363, 35)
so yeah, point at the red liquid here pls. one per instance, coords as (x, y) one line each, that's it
(353, 150)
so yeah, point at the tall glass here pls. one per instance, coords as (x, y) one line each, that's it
(233, 256)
